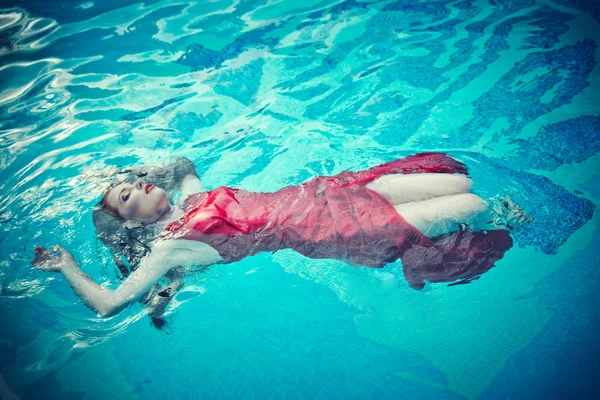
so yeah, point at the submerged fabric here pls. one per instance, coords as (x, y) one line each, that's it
(338, 217)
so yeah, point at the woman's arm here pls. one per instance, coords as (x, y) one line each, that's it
(106, 302)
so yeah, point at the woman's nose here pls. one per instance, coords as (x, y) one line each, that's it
(139, 184)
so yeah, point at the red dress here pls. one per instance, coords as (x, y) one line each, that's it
(338, 217)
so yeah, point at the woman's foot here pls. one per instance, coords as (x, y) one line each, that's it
(507, 214)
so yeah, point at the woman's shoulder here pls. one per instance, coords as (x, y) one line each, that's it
(190, 185)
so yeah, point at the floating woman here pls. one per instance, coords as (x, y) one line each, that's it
(418, 209)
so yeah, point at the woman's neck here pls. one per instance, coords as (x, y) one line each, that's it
(154, 229)
(171, 214)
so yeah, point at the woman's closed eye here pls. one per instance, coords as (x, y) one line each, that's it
(125, 196)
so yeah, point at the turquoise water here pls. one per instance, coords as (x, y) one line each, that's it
(262, 94)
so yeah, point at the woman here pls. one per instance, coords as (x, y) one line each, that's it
(418, 209)
(128, 246)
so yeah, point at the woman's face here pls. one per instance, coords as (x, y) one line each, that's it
(138, 201)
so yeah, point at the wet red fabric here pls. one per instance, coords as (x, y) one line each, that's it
(335, 217)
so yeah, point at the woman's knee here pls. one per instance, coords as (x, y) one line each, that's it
(443, 214)
(474, 202)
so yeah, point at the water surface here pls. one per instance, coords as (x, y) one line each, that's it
(262, 94)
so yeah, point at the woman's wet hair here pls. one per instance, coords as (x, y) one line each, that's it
(107, 206)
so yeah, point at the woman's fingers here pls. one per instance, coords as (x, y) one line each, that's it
(36, 255)
(40, 249)
(40, 253)
(44, 260)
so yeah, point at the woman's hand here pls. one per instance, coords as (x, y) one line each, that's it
(183, 167)
(46, 261)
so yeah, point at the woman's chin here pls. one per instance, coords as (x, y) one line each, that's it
(158, 209)
(162, 208)
(164, 203)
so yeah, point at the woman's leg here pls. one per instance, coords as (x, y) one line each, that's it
(446, 214)
(406, 188)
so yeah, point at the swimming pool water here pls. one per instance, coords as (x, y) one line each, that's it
(266, 93)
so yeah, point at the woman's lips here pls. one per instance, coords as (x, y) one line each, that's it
(149, 188)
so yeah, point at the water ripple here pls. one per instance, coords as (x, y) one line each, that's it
(265, 93)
